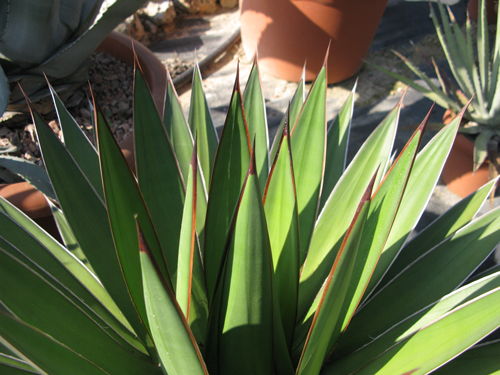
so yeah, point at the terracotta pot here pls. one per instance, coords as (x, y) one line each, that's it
(287, 33)
(31, 201)
(491, 10)
(457, 172)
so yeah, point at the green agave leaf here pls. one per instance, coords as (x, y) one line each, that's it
(282, 360)
(29, 51)
(86, 216)
(190, 290)
(159, 177)
(182, 142)
(280, 204)
(201, 124)
(281, 349)
(41, 249)
(433, 275)
(293, 114)
(467, 324)
(85, 301)
(423, 178)
(492, 96)
(198, 313)
(187, 243)
(479, 360)
(14, 366)
(378, 224)
(481, 147)
(35, 174)
(308, 142)
(449, 46)
(245, 342)
(174, 340)
(432, 92)
(4, 350)
(487, 272)
(64, 319)
(480, 75)
(125, 202)
(78, 145)
(229, 171)
(463, 45)
(44, 353)
(336, 151)
(211, 348)
(331, 227)
(443, 227)
(303, 326)
(177, 128)
(192, 277)
(466, 55)
(255, 115)
(380, 218)
(67, 236)
(448, 88)
(409, 326)
(335, 292)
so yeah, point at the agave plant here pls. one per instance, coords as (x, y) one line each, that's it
(475, 73)
(227, 256)
(53, 38)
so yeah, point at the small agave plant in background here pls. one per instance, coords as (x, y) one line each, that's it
(226, 256)
(475, 72)
(54, 39)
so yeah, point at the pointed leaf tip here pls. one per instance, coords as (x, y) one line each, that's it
(143, 246)
(325, 62)
(28, 101)
(255, 59)
(464, 109)
(420, 129)
(369, 190)
(423, 124)
(286, 127)
(237, 80)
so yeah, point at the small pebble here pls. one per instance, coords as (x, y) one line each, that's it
(123, 106)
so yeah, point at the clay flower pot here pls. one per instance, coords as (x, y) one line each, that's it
(457, 172)
(288, 33)
(491, 10)
(31, 201)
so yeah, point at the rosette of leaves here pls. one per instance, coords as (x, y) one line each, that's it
(475, 68)
(54, 38)
(227, 256)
